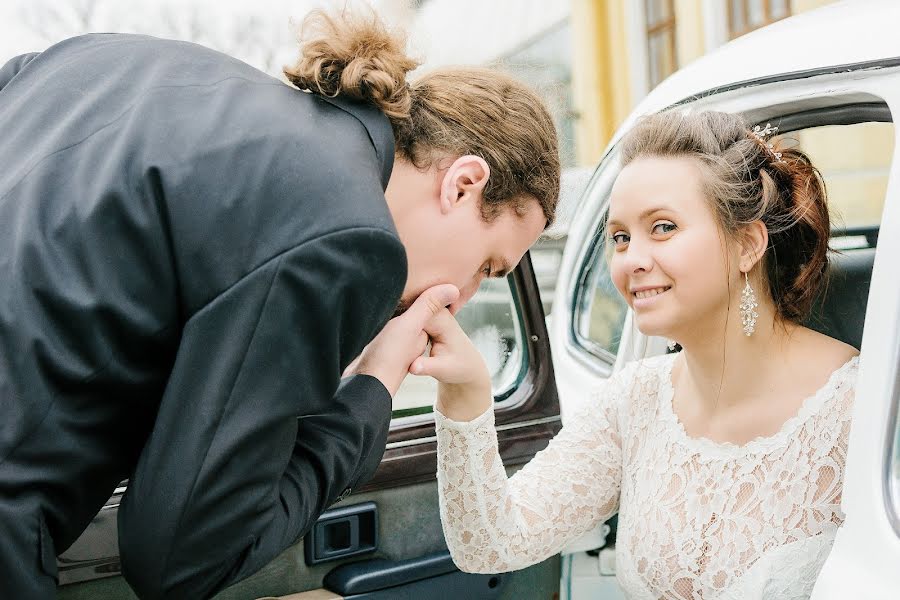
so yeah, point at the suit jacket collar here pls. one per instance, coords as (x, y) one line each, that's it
(378, 127)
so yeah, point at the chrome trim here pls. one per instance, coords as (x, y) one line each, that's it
(530, 423)
(881, 63)
(506, 427)
(890, 491)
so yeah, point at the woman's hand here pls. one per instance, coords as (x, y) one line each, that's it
(403, 339)
(465, 384)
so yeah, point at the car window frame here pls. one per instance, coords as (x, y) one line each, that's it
(891, 462)
(607, 169)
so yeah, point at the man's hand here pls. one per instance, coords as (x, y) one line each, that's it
(465, 383)
(388, 357)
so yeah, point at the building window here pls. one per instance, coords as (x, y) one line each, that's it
(662, 56)
(746, 15)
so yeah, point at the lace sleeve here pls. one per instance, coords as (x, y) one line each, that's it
(494, 524)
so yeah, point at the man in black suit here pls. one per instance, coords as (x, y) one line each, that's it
(191, 254)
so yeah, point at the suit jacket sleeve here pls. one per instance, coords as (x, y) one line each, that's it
(254, 438)
(13, 66)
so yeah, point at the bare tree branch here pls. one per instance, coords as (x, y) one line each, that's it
(259, 39)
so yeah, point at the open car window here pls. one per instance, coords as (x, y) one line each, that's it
(491, 320)
(854, 160)
(599, 308)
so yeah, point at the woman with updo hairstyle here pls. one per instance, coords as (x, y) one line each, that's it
(724, 461)
(194, 256)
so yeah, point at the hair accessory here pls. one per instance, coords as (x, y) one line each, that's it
(761, 134)
(748, 308)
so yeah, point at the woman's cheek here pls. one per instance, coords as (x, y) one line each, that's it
(619, 279)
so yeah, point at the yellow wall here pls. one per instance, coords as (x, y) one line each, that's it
(600, 74)
(799, 6)
(601, 65)
(689, 34)
(855, 161)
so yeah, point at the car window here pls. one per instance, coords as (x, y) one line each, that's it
(599, 308)
(492, 322)
(854, 161)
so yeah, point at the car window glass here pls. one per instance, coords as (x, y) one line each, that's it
(854, 161)
(600, 309)
(492, 322)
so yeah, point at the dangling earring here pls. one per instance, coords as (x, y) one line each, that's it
(671, 345)
(748, 308)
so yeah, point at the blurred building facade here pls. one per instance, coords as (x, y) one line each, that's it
(624, 48)
(592, 60)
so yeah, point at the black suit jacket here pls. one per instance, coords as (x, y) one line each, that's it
(190, 254)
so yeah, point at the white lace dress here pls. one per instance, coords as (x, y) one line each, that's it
(697, 519)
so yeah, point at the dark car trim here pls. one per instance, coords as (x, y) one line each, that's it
(885, 63)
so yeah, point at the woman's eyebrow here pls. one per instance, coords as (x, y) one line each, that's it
(644, 214)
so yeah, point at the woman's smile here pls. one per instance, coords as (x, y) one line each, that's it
(645, 296)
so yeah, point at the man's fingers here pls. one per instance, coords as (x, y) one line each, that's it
(431, 302)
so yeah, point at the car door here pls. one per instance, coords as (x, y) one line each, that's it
(864, 559)
(844, 122)
(385, 540)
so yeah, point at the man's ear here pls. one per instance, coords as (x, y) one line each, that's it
(464, 180)
(754, 241)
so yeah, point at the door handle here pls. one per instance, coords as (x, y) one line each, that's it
(342, 532)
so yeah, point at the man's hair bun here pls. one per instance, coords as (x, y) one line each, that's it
(355, 56)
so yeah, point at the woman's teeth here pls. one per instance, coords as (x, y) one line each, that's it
(649, 293)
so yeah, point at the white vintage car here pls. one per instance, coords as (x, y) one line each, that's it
(831, 80)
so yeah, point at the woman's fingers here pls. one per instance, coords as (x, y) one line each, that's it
(442, 368)
(443, 327)
(453, 358)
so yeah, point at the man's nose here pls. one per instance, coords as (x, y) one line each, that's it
(465, 294)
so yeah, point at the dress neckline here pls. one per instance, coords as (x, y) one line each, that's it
(810, 406)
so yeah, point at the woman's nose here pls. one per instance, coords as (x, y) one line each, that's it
(638, 257)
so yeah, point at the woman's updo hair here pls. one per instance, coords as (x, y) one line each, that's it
(447, 112)
(745, 180)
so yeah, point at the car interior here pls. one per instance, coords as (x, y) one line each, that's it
(839, 310)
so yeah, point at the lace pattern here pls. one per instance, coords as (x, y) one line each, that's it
(697, 519)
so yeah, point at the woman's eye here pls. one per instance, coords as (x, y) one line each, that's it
(663, 227)
(619, 238)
